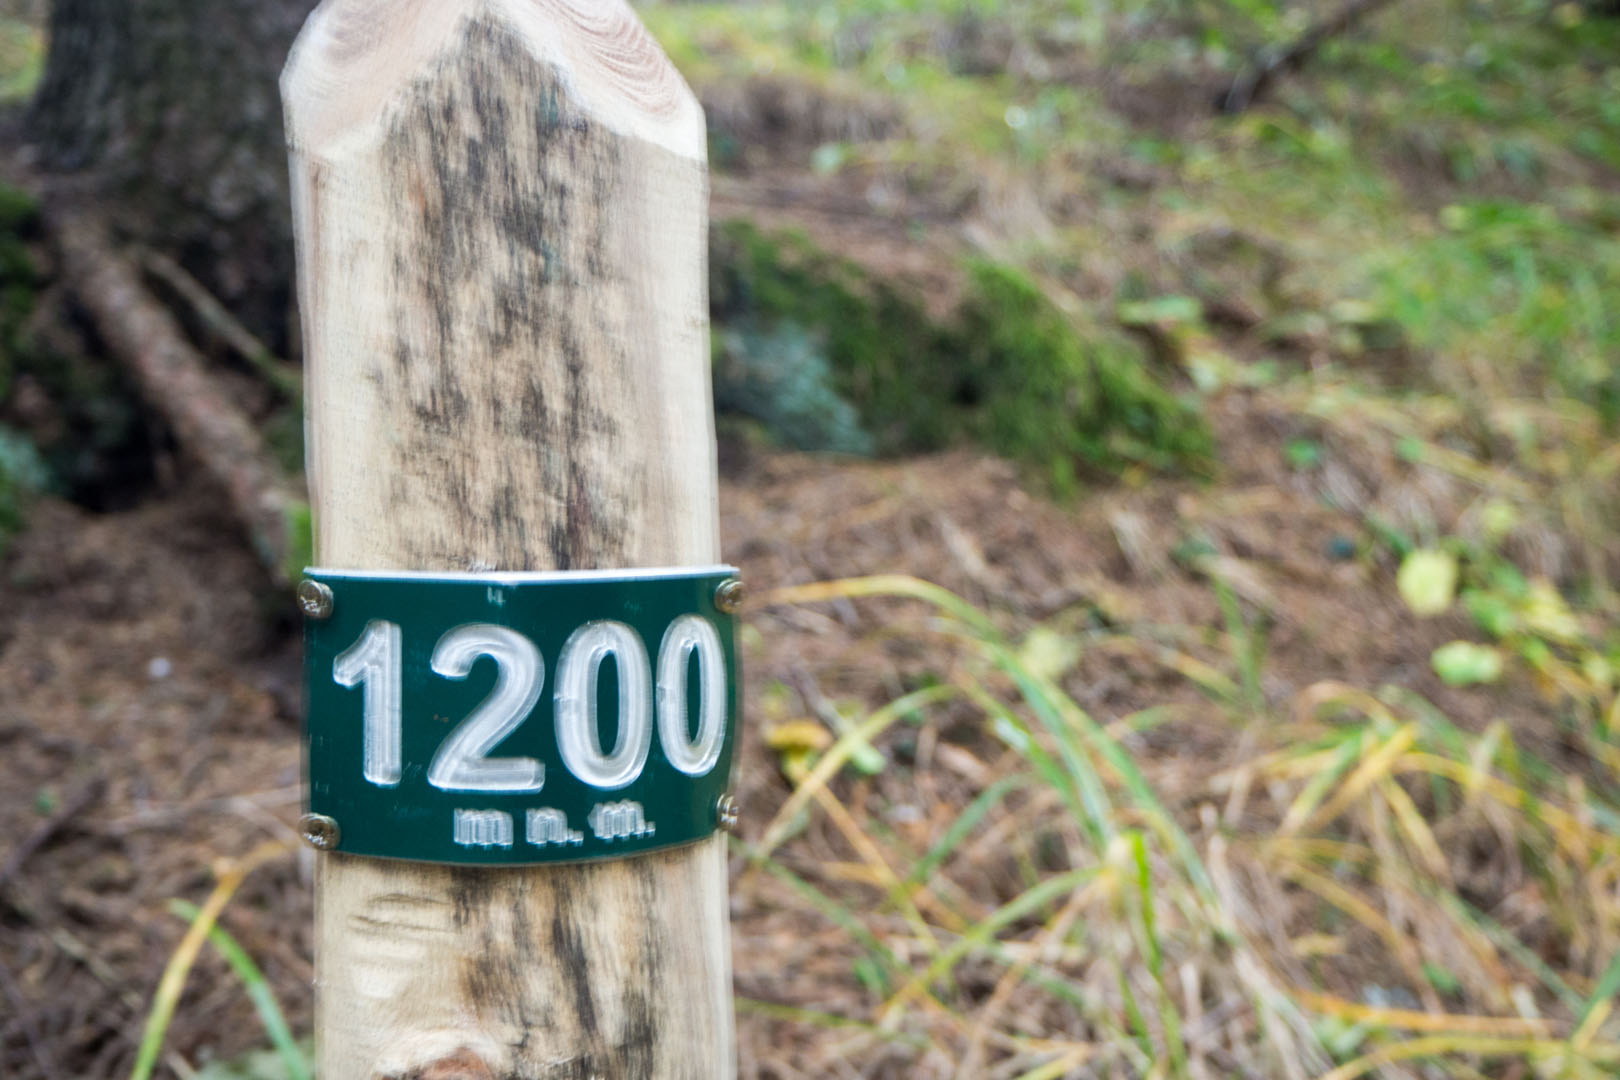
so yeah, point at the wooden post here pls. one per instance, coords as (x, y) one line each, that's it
(500, 210)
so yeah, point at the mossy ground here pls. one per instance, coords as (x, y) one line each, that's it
(1422, 221)
(829, 356)
(1454, 182)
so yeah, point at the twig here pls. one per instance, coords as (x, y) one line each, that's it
(275, 371)
(174, 380)
(96, 966)
(1253, 82)
(160, 817)
(48, 828)
(75, 949)
(25, 1017)
(1056, 931)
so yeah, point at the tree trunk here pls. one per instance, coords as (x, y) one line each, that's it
(167, 111)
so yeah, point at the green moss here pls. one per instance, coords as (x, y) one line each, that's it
(300, 541)
(1054, 397)
(880, 345)
(780, 375)
(22, 475)
(829, 357)
(18, 279)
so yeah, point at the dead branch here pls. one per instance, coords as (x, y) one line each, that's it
(173, 379)
(221, 323)
(27, 1021)
(1273, 61)
(42, 833)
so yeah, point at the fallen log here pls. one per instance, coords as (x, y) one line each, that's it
(173, 379)
(1271, 62)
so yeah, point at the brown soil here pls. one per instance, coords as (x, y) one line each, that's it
(148, 689)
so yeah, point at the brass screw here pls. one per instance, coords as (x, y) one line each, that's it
(726, 811)
(320, 832)
(729, 596)
(315, 599)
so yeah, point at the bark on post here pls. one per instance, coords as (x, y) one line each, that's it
(500, 209)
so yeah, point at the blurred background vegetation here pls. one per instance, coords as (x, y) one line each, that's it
(1244, 378)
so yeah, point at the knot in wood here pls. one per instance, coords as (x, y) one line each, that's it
(463, 1064)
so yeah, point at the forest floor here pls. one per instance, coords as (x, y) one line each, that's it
(149, 702)
(1305, 766)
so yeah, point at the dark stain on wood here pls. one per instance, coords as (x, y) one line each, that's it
(513, 195)
(471, 891)
(569, 947)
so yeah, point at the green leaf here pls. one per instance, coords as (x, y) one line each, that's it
(1428, 581)
(870, 976)
(1464, 663)
(1341, 1038)
(828, 158)
(1162, 310)
(1441, 978)
(1498, 518)
(1049, 654)
(1303, 454)
(1492, 612)
(867, 759)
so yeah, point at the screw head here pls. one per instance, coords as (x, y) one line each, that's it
(320, 832)
(315, 599)
(729, 596)
(725, 810)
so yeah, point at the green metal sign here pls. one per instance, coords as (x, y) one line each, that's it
(518, 718)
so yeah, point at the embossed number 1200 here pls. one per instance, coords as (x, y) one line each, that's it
(462, 762)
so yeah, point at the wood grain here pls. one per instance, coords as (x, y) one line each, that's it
(501, 216)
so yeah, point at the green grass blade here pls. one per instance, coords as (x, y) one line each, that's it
(1010, 729)
(1025, 903)
(258, 991)
(1146, 800)
(840, 915)
(1504, 939)
(1608, 987)
(1246, 644)
(1147, 926)
(968, 820)
(839, 754)
(1097, 817)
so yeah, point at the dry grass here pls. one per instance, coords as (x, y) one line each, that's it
(1068, 909)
